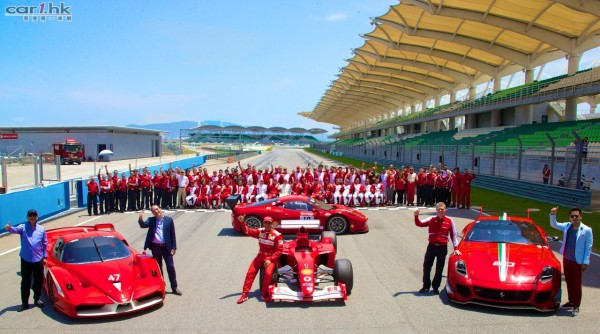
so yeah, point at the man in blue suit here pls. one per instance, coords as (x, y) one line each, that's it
(161, 241)
(576, 250)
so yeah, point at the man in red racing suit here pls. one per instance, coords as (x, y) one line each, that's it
(270, 242)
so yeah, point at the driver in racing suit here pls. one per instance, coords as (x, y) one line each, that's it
(270, 242)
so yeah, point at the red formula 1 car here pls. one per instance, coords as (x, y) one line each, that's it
(292, 211)
(505, 262)
(91, 272)
(308, 271)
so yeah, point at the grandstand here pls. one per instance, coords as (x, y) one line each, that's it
(252, 135)
(423, 52)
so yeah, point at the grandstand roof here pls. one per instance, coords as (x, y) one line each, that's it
(257, 129)
(421, 49)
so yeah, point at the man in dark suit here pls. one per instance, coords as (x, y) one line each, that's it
(161, 241)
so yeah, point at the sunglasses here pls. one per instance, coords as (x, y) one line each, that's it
(575, 216)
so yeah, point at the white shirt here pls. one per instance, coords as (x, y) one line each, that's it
(158, 234)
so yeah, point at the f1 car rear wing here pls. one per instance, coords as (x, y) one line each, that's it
(309, 224)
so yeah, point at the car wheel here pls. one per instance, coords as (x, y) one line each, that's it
(50, 288)
(342, 273)
(332, 235)
(338, 224)
(261, 276)
(253, 222)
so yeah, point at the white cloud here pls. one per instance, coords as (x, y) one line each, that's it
(335, 17)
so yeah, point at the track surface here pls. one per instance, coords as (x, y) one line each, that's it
(212, 260)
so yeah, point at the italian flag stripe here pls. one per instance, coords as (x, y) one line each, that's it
(502, 261)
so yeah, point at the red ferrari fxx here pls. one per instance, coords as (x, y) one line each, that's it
(309, 271)
(91, 272)
(291, 212)
(505, 262)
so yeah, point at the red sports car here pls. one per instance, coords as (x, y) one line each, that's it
(505, 262)
(291, 211)
(309, 272)
(91, 272)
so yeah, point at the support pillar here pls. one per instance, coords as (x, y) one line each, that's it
(451, 123)
(472, 93)
(571, 103)
(496, 118)
(497, 86)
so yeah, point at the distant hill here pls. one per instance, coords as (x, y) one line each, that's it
(217, 123)
(174, 128)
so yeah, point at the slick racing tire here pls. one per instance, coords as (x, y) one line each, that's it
(253, 222)
(261, 276)
(338, 224)
(342, 273)
(332, 235)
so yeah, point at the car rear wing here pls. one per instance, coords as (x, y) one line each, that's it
(52, 233)
(294, 224)
(104, 226)
(233, 200)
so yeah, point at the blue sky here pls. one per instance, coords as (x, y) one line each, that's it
(123, 62)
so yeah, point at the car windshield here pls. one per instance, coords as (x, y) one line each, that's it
(96, 249)
(320, 204)
(269, 201)
(505, 231)
(73, 148)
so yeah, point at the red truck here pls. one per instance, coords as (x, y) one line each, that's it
(71, 151)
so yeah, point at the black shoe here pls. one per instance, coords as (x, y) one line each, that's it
(575, 311)
(567, 305)
(423, 290)
(177, 292)
(23, 308)
(436, 291)
(38, 303)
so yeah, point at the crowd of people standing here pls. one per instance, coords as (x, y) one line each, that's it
(196, 187)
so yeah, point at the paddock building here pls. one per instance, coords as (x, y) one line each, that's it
(124, 142)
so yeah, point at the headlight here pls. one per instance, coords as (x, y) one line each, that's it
(461, 268)
(547, 274)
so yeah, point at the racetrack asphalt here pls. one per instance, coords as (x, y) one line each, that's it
(211, 263)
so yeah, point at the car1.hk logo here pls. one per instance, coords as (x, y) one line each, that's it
(41, 13)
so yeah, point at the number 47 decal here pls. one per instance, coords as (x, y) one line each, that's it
(114, 277)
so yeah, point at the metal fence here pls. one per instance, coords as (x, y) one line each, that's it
(25, 172)
(569, 166)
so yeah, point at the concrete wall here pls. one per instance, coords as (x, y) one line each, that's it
(48, 201)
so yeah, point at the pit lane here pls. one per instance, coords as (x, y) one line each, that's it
(211, 263)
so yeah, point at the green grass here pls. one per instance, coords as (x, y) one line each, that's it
(494, 202)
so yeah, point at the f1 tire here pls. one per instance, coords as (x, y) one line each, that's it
(261, 277)
(332, 235)
(342, 273)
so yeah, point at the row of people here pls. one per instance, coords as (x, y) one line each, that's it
(196, 187)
